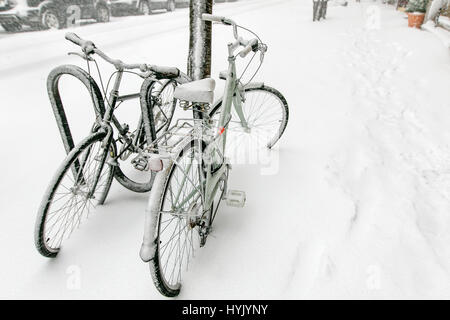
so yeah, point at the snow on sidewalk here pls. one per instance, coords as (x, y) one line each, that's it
(392, 165)
(441, 33)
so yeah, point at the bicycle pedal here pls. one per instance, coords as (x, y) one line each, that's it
(235, 198)
(140, 163)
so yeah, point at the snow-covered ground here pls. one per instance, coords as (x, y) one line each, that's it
(355, 202)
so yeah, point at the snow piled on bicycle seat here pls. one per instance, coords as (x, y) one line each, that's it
(354, 202)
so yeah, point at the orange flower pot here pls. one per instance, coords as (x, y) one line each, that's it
(415, 19)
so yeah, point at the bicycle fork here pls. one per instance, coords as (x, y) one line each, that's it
(101, 158)
(106, 126)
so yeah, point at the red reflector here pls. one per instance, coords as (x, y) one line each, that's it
(221, 130)
(155, 165)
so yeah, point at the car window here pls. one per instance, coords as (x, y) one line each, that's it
(32, 3)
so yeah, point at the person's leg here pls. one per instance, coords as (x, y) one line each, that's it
(319, 10)
(315, 9)
(321, 7)
(324, 9)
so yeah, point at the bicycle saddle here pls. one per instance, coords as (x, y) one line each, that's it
(200, 91)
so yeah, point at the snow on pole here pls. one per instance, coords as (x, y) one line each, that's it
(199, 59)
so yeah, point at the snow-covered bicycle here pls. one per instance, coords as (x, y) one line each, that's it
(83, 179)
(192, 170)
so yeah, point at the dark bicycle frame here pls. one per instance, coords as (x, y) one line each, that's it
(102, 113)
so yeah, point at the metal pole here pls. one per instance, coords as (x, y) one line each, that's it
(199, 60)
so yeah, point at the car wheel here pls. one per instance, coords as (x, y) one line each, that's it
(17, 27)
(50, 20)
(102, 14)
(5, 27)
(144, 8)
(171, 5)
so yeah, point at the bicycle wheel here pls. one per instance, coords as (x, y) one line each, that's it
(165, 106)
(176, 205)
(266, 113)
(69, 197)
(131, 172)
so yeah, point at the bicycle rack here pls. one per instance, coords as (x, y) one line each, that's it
(57, 105)
(53, 78)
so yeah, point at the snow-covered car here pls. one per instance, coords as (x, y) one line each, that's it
(121, 7)
(219, 1)
(50, 14)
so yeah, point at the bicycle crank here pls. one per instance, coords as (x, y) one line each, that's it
(196, 219)
(193, 218)
(140, 163)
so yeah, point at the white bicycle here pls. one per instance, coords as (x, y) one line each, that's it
(192, 170)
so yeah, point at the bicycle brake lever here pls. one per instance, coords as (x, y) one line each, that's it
(261, 56)
(262, 50)
(82, 56)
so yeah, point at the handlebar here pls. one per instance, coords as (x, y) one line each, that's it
(88, 47)
(223, 20)
(164, 72)
(76, 39)
(251, 46)
(218, 19)
(212, 18)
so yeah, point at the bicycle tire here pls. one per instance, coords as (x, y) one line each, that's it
(69, 164)
(147, 106)
(284, 110)
(156, 203)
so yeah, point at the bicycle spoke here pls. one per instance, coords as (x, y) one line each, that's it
(71, 202)
(177, 225)
(264, 113)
